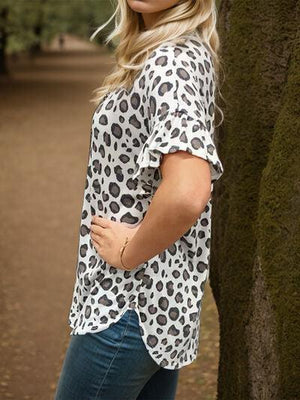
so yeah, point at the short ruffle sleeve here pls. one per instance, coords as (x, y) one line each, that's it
(180, 108)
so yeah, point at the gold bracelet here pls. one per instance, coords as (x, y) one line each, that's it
(122, 251)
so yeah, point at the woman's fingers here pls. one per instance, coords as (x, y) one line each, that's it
(97, 247)
(103, 222)
(96, 238)
(98, 230)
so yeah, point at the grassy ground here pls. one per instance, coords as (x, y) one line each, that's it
(44, 124)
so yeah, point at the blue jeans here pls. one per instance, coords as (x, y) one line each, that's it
(114, 364)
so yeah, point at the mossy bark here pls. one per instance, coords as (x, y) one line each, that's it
(255, 229)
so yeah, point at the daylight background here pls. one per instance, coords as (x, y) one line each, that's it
(250, 323)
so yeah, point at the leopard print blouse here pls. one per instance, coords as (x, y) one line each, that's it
(169, 107)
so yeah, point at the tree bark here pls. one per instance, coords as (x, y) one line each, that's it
(255, 229)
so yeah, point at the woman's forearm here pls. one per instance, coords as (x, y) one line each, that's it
(171, 213)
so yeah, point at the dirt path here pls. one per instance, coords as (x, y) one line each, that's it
(44, 124)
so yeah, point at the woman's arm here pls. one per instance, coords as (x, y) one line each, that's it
(176, 205)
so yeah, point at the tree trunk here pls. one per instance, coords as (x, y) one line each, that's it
(255, 231)
(3, 39)
(38, 27)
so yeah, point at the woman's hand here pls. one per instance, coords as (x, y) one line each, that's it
(108, 237)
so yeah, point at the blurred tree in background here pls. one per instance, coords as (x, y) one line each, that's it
(27, 25)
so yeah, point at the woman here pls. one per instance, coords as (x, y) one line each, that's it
(143, 256)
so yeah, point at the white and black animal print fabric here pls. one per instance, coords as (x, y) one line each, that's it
(169, 107)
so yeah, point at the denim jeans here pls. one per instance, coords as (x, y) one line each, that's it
(114, 364)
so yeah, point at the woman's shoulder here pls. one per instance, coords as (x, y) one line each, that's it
(188, 52)
(183, 45)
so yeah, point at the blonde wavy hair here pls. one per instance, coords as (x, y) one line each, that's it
(135, 43)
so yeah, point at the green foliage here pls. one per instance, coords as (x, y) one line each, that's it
(38, 21)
